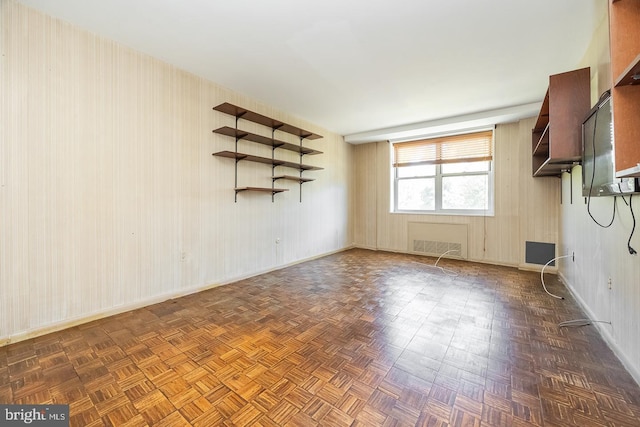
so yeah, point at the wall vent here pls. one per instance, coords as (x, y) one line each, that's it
(434, 239)
(539, 253)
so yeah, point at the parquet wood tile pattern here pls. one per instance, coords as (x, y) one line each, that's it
(359, 338)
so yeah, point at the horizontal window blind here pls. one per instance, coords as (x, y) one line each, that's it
(470, 147)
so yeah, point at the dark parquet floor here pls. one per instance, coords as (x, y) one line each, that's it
(359, 338)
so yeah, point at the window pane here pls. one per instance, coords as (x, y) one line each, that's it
(420, 170)
(416, 194)
(465, 192)
(465, 167)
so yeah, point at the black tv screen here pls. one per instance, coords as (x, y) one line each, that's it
(598, 166)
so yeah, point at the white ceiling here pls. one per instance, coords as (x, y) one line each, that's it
(366, 69)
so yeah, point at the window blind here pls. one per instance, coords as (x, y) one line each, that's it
(470, 147)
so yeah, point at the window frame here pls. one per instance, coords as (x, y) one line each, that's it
(438, 178)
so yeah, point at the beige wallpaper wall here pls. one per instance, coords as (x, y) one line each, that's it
(526, 209)
(110, 197)
(604, 276)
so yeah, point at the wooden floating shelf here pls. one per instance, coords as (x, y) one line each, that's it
(543, 116)
(294, 165)
(628, 76)
(542, 146)
(274, 125)
(624, 47)
(248, 157)
(557, 135)
(548, 168)
(251, 116)
(265, 160)
(240, 134)
(261, 189)
(292, 178)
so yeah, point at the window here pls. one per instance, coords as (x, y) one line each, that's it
(451, 175)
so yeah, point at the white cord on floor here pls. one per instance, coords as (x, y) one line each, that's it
(444, 270)
(568, 323)
(580, 322)
(542, 275)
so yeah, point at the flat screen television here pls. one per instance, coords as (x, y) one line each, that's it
(598, 167)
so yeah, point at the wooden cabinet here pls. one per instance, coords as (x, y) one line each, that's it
(557, 135)
(624, 27)
(274, 125)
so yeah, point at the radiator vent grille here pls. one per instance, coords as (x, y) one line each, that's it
(436, 239)
(431, 247)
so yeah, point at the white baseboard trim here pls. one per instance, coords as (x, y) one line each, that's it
(538, 268)
(75, 321)
(479, 261)
(605, 333)
(370, 248)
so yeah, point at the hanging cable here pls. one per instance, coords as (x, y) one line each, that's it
(613, 216)
(633, 217)
(633, 228)
(542, 275)
(593, 175)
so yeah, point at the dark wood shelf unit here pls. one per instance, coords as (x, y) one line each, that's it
(264, 140)
(292, 178)
(543, 167)
(261, 189)
(266, 160)
(540, 141)
(274, 125)
(631, 75)
(624, 37)
(245, 114)
(248, 157)
(556, 139)
(543, 116)
(301, 167)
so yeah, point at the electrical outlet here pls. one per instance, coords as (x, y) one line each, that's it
(569, 254)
